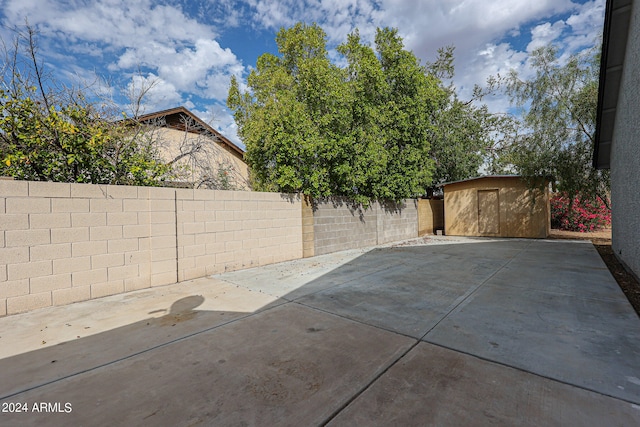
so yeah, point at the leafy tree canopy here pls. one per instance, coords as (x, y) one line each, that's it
(361, 131)
(50, 132)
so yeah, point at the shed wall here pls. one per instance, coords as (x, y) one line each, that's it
(430, 216)
(518, 216)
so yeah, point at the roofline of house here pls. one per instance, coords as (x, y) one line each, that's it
(614, 41)
(224, 140)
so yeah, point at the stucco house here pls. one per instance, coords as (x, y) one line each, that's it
(496, 206)
(617, 145)
(205, 157)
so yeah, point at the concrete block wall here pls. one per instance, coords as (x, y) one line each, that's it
(338, 225)
(308, 236)
(61, 243)
(221, 231)
(163, 251)
(397, 221)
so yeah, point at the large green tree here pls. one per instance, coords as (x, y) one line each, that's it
(557, 131)
(361, 131)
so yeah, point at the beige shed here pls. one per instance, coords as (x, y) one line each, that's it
(496, 206)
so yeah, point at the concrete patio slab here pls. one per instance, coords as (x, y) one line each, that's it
(49, 326)
(420, 285)
(446, 331)
(289, 365)
(300, 277)
(438, 387)
(581, 340)
(570, 280)
(544, 266)
(396, 304)
(46, 345)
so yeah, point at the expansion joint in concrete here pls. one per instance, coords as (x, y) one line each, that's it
(472, 291)
(530, 372)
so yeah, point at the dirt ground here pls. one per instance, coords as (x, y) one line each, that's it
(602, 241)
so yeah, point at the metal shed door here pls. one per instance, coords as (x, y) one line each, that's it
(488, 212)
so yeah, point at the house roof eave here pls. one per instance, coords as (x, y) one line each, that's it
(614, 42)
(182, 110)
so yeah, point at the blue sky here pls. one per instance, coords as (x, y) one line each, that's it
(191, 48)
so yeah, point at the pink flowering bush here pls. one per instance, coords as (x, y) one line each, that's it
(584, 216)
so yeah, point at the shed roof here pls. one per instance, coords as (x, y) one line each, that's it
(480, 178)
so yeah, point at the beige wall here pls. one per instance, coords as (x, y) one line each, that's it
(430, 216)
(308, 234)
(61, 243)
(172, 139)
(518, 216)
(221, 231)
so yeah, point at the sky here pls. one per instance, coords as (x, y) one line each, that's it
(191, 48)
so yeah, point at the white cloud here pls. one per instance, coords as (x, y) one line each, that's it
(586, 26)
(545, 34)
(588, 17)
(140, 35)
(119, 23)
(475, 27)
(498, 59)
(195, 69)
(337, 17)
(425, 24)
(158, 93)
(178, 42)
(493, 60)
